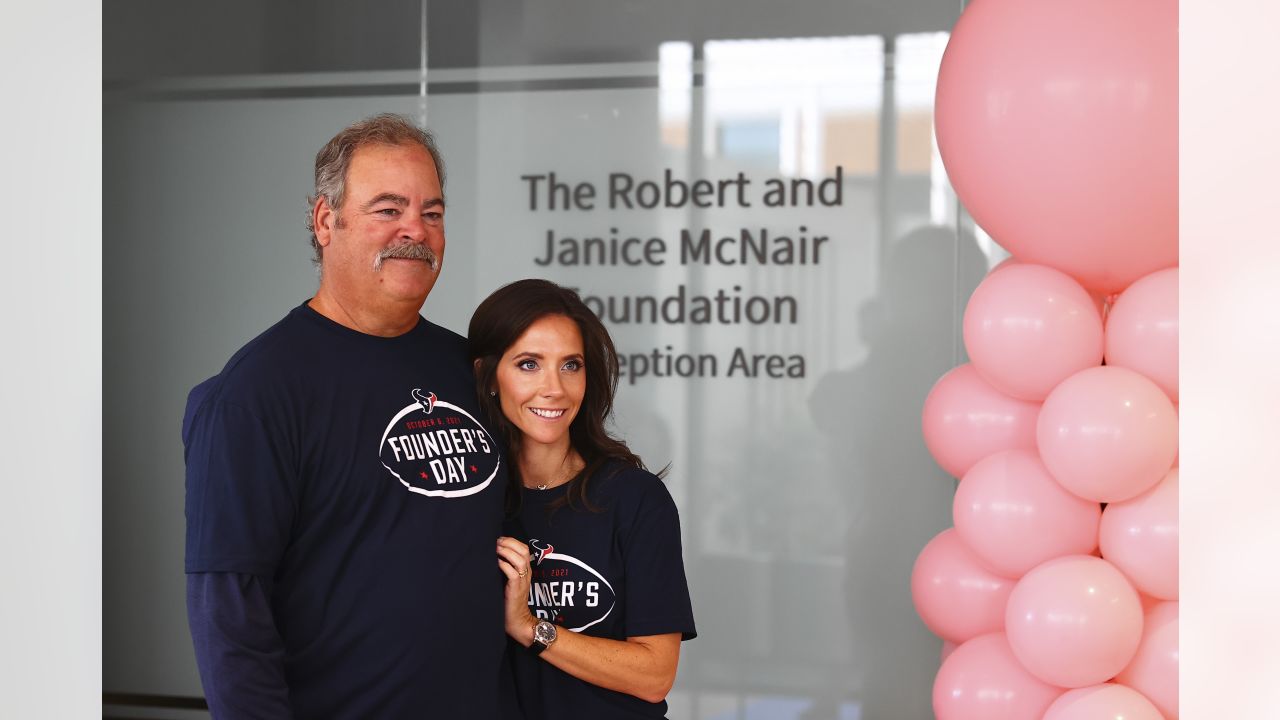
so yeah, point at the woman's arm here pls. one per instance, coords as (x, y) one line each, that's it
(643, 666)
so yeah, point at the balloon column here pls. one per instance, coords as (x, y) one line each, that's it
(1056, 592)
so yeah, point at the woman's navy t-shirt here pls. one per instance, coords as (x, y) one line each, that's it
(614, 574)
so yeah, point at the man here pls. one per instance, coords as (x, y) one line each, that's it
(343, 499)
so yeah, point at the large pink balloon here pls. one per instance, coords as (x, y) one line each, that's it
(982, 680)
(1028, 327)
(965, 420)
(1058, 126)
(1102, 702)
(1154, 670)
(1012, 514)
(1142, 330)
(1140, 536)
(1107, 434)
(1074, 621)
(954, 594)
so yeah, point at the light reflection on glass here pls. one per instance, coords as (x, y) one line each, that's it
(814, 96)
(675, 79)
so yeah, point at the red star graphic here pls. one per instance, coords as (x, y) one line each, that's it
(424, 475)
(473, 468)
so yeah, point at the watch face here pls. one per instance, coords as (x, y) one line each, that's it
(545, 633)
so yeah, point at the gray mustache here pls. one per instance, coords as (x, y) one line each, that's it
(407, 251)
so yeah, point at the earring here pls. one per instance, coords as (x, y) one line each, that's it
(493, 393)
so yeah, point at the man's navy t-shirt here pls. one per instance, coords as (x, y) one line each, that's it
(353, 474)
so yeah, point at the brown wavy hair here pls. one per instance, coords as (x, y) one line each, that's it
(495, 326)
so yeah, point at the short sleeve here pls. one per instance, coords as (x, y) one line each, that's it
(241, 489)
(657, 592)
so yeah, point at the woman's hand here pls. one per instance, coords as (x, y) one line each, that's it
(513, 561)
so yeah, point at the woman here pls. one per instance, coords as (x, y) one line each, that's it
(596, 598)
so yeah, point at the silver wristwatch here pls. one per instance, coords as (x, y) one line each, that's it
(544, 633)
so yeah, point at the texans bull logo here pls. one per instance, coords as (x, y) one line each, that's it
(428, 401)
(540, 550)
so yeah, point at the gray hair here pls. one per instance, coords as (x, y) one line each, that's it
(334, 159)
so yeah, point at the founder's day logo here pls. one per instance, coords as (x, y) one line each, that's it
(567, 590)
(436, 448)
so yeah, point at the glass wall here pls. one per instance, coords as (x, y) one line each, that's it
(749, 194)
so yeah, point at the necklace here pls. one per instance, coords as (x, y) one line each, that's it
(549, 485)
(556, 483)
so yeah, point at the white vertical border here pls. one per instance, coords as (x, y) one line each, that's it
(1230, 358)
(51, 364)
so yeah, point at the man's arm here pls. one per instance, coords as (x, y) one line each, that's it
(238, 650)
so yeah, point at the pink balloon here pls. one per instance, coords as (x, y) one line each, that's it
(1074, 621)
(1013, 516)
(954, 594)
(1107, 434)
(1142, 330)
(1099, 298)
(1029, 327)
(982, 680)
(965, 420)
(1102, 702)
(1140, 536)
(1058, 126)
(1154, 669)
